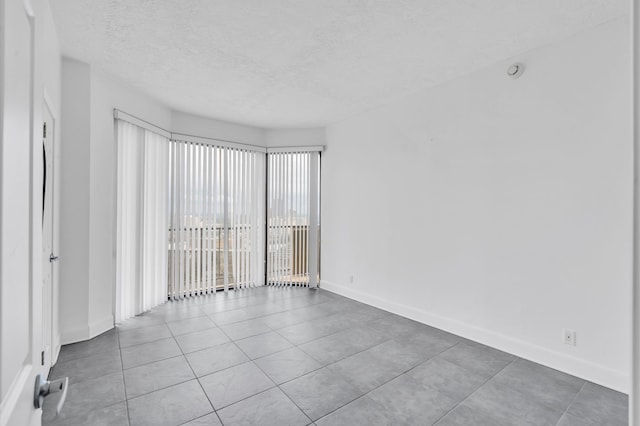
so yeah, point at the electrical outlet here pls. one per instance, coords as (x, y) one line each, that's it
(569, 337)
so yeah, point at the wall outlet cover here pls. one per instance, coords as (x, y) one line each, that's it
(569, 337)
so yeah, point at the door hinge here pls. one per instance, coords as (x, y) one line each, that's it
(42, 358)
(44, 129)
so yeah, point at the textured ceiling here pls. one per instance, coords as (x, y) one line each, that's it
(296, 63)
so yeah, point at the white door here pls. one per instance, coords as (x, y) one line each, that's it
(48, 257)
(20, 218)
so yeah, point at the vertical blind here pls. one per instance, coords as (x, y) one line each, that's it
(293, 218)
(216, 215)
(141, 228)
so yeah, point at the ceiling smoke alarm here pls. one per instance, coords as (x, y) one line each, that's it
(515, 70)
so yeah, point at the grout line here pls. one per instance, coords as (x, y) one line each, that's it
(342, 329)
(204, 349)
(391, 379)
(264, 302)
(342, 406)
(200, 417)
(222, 369)
(246, 337)
(162, 388)
(282, 390)
(476, 390)
(246, 397)
(147, 343)
(124, 383)
(196, 378)
(566, 411)
(344, 357)
(263, 316)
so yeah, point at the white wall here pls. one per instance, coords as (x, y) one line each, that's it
(497, 209)
(224, 130)
(194, 125)
(295, 137)
(74, 201)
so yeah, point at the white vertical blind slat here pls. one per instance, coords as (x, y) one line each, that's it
(306, 207)
(246, 236)
(181, 220)
(241, 259)
(199, 218)
(192, 238)
(288, 230)
(207, 214)
(245, 218)
(194, 220)
(225, 177)
(270, 254)
(280, 178)
(282, 251)
(248, 217)
(278, 218)
(175, 202)
(212, 220)
(234, 216)
(300, 222)
(216, 193)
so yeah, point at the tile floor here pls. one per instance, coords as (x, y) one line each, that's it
(293, 356)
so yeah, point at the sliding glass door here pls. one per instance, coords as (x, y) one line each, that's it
(216, 215)
(216, 208)
(293, 218)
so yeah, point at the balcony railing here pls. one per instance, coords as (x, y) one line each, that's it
(199, 250)
(287, 254)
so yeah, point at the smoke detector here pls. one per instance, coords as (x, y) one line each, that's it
(515, 70)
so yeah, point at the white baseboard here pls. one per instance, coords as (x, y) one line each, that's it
(587, 370)
(86, 332)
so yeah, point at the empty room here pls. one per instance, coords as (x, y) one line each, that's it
(338, 212)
